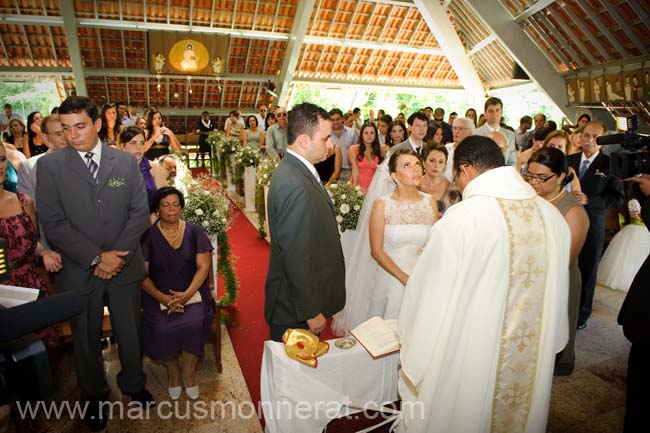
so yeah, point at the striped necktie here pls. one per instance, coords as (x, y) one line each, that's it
(583, 168)
(91, 164)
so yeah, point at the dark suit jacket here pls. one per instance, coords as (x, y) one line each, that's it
(306, 270)
(603, 190)
(202, 128)
(82, 218)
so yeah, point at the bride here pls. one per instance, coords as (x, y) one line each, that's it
(363, 272)
(399, 223)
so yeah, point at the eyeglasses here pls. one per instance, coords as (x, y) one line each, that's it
(534, 178)
(280, 114)
(458, 128)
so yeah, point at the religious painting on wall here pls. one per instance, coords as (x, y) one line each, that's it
(614, 87)
(633, 85)
(584, 89)
(598, 92)
(571, 90)
(187, 54)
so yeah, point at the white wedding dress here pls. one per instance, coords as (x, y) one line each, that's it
(405, 234)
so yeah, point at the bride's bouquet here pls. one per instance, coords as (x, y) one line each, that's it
(348, 201)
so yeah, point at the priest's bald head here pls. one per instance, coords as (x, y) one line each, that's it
(473, 156)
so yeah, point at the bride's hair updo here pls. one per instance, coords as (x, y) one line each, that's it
(392, 162)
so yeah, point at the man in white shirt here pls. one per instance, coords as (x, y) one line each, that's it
(343, 137)
(7, 116)
(276, 136)
(463, 128)
(493, 112)
(485, 308)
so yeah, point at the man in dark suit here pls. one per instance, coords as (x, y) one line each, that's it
(93, 205)
(418, 130)
(204, 127)
(305, 283)
(599, 191)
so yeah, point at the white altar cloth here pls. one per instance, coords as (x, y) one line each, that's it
(301, 399)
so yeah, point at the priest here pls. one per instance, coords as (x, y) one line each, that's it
(485, 309)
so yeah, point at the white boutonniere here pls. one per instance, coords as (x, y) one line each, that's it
(600, 173)
(116, 182)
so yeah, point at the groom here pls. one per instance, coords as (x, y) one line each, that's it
(305, 283)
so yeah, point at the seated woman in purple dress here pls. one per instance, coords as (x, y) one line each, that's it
(132, 140)
(177, 305)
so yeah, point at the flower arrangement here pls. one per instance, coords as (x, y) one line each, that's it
(222, 147)
(247, 156)
(207, 205)
(263, 176)
(348, 201)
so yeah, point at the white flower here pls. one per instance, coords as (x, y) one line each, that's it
(357, 207)
(215, 213)
(345, 208)
(205, 224)
(339, 219)
(224, 220)
(343, 196)
(198, 212)
(266, 176)
(333, 186)
(358, 188)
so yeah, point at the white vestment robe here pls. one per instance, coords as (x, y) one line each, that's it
(460, 362)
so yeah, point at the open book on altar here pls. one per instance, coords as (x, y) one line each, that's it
(378, 336)
(12, 296)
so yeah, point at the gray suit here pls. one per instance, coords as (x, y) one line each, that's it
(406, 144)
(306, 270)
(81, 219)
(511, 151)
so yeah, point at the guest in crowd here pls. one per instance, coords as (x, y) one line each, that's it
(548, 173)
(539, 135)
(305, 283)
(365, 156)
(447, 135)
(252, 135)
(178, 307)
(342, 138)
(583, 120)
(434, 181)
(269, 121)
(261, 117)
(329, 169)
(7, 116)
(401, 117)
(463, 128)
(204, 127)
(462, 314)
(418, 125)
(19, 228)
(471, 114)
(34, 139)
(141, 123)
(399, 223)
(111, 125)
(599, 190)
(15, 134)
(160, 138)
(276, 134)
(493, 116)
(520, 134)
(382, 128)
(131, 140)
(558, 140)
(396, 133)
(452, 116)
(92, 203)
(235, 125)
(435, 133)
(575, 141)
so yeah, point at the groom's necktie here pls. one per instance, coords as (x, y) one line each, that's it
(583, 168)
(91, 164)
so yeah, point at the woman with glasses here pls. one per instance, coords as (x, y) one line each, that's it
(110, 125)
(548, 174)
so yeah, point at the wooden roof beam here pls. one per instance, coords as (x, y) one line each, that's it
(522, 49)
(438, 21)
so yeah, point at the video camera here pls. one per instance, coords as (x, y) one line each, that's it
(632, 160)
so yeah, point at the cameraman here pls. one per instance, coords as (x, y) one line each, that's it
(636, 327)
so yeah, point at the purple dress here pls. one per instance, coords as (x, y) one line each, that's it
(165, 336)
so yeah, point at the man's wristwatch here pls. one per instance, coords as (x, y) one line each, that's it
(97, 260)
